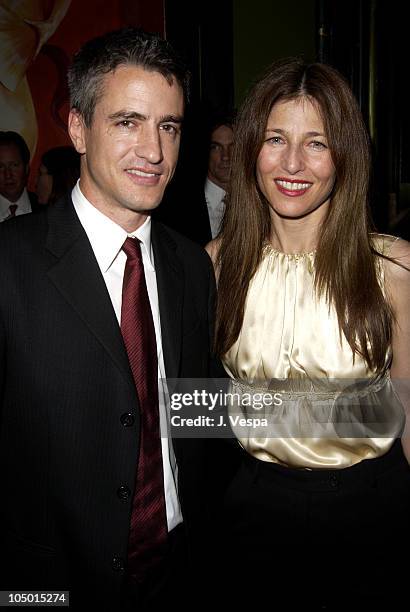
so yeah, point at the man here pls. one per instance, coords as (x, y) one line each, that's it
(14, 169)
(98, 304)
(219, 168)
(192, 207)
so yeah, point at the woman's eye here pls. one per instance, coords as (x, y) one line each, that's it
(316, 144)
(275, 140)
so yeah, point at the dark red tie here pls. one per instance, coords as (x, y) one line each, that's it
(148, 529)
(12, 209)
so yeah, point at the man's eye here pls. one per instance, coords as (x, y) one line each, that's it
(170, 129)
(126, 123)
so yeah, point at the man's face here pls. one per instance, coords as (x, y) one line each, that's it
(219, 164)
(13, 172)
(131, 148)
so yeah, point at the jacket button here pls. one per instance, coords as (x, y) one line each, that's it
(117, 564)
(123, 493)
(127, 419)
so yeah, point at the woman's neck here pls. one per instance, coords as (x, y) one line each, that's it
(295, 235)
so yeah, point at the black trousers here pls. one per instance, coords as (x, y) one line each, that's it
(317, 540)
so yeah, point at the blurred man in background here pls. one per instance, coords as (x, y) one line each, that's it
(14, 170)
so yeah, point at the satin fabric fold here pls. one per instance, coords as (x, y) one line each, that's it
(334, 410)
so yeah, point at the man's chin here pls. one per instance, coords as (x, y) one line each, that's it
(146, 207)
(224, 178)
(143, 208)
(11, 197)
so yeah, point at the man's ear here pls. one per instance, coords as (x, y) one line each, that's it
(76, 129)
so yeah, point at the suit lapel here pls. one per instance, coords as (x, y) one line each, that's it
(78, 278)
(170, 283)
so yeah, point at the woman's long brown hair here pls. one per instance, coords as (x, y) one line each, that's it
(345, 260)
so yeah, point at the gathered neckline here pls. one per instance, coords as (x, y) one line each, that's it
(270, 249)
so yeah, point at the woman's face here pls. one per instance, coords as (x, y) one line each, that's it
(294, 169)
(44, 185)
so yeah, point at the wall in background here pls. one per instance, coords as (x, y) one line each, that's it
(264, 31)
(59, 28)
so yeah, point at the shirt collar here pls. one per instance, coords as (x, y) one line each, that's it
(106, 236)
(213, 191)
(23, 204)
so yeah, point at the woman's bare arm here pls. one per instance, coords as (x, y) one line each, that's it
(398, 286)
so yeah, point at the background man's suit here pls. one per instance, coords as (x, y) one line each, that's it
(66, 442)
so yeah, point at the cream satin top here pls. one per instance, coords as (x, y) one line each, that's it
(299, 398)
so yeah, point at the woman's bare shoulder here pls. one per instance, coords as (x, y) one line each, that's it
(398, 265)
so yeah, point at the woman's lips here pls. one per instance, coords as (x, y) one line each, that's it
(292, 189)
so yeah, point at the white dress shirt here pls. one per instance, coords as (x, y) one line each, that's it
(214, 196)
(107, 238)
(23, 206)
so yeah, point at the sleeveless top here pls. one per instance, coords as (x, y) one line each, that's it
(299, 396)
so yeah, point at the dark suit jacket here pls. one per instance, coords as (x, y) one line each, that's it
(184, 209)
(65, 384)
(35, 206)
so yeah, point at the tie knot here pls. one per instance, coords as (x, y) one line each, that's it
(12, 209)
(132, 249)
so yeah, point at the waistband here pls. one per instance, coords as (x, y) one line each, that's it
(350, 389)
(326, 479)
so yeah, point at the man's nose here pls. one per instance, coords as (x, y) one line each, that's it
(9, 172)
(149, 145)
(226, 153)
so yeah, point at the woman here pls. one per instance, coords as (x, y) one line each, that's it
(321, 503)
(58, 173)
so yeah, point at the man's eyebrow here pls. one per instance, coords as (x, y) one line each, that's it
(125, 115)
(279, 131)
(171, 119)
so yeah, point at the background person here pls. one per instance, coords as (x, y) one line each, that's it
(58, 173)
(194, 203)
(319, 507)
(219, 168)
(14, 170)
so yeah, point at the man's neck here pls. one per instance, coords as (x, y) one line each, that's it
(12, 200)
(213, 188)
(217, 183)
